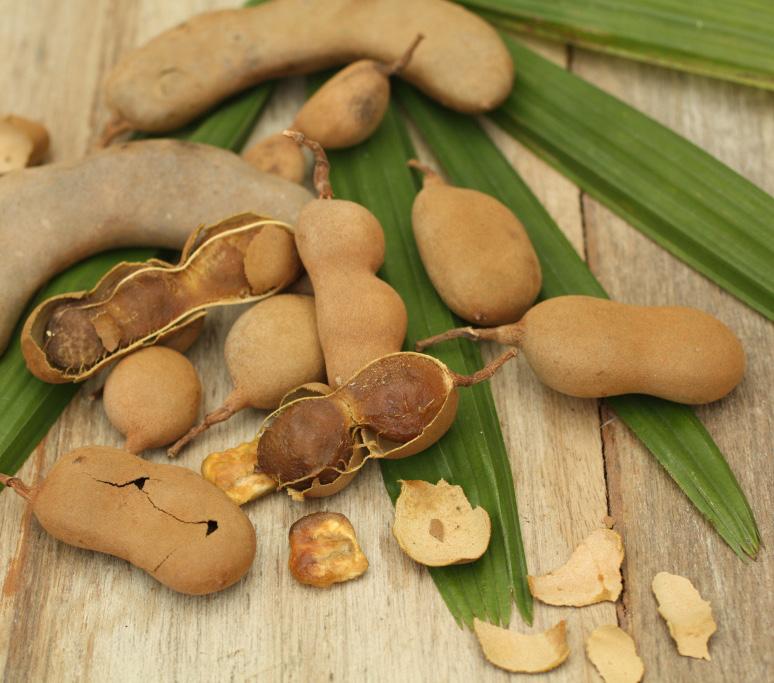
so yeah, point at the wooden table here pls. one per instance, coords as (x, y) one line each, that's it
(67, 614)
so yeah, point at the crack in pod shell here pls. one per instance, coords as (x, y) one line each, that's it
(69, 337)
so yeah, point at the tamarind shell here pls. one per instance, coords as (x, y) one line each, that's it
(203, 244)
(148, 193)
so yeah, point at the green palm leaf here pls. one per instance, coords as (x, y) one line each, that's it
(674, 192)
(670, 431)
(730, 40)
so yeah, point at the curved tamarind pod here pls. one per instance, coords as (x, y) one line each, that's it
(181, 73)
(148, 193)
(69, 337)
(591, 348)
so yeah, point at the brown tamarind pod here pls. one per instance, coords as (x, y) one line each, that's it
(341, 244)
(349, 107)
(69, 337)
(475, 251)
(166, 520)
(591, 348)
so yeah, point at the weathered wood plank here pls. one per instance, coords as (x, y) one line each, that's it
(661, 529)
(68, 614)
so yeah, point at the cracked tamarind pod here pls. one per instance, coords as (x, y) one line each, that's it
(591, 348)
(359, 316)
(69, 337)
(394, 407)
(164, 519)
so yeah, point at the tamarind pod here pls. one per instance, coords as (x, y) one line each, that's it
(181, 73)
(144, 193)
(69, 337)
(164, 519)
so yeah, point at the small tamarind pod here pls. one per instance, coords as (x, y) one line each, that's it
(279, 156)
(341, 244)
(349, 107)
(271, 348)
(164, 519)
(69, 337)
(591, 348)
(475, 251)
(152, 397)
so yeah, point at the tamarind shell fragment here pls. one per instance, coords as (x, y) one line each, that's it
(69, 337)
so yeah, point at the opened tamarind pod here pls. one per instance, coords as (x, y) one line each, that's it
(163, 519)
(271, 349)
(359, 317)
(591, 348)
(349, 107)
(134, 194)
(475, 251)
(394, 407)
(69, 337)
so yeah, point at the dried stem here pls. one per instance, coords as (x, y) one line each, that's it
(112, 130)
(508, 335)
(218, 415)
(484, 373)
(402, 62)
(322, 167)
(17, 485)
(430, 174)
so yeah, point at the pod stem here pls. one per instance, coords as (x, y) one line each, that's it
(112, 130)
(402, 62)
(484, 373)
(430, 175)
(218, 415)
(508, 335)
(322, 167)
(17, 485)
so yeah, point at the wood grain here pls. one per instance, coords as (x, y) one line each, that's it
(66, 614)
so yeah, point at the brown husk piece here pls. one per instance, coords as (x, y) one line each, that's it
(687, 615)
(521, 652)
(612, 651)
(324, 550)
(435, 524)
(591, 575)
(22, 143)
(69, 337)
(233, 471)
